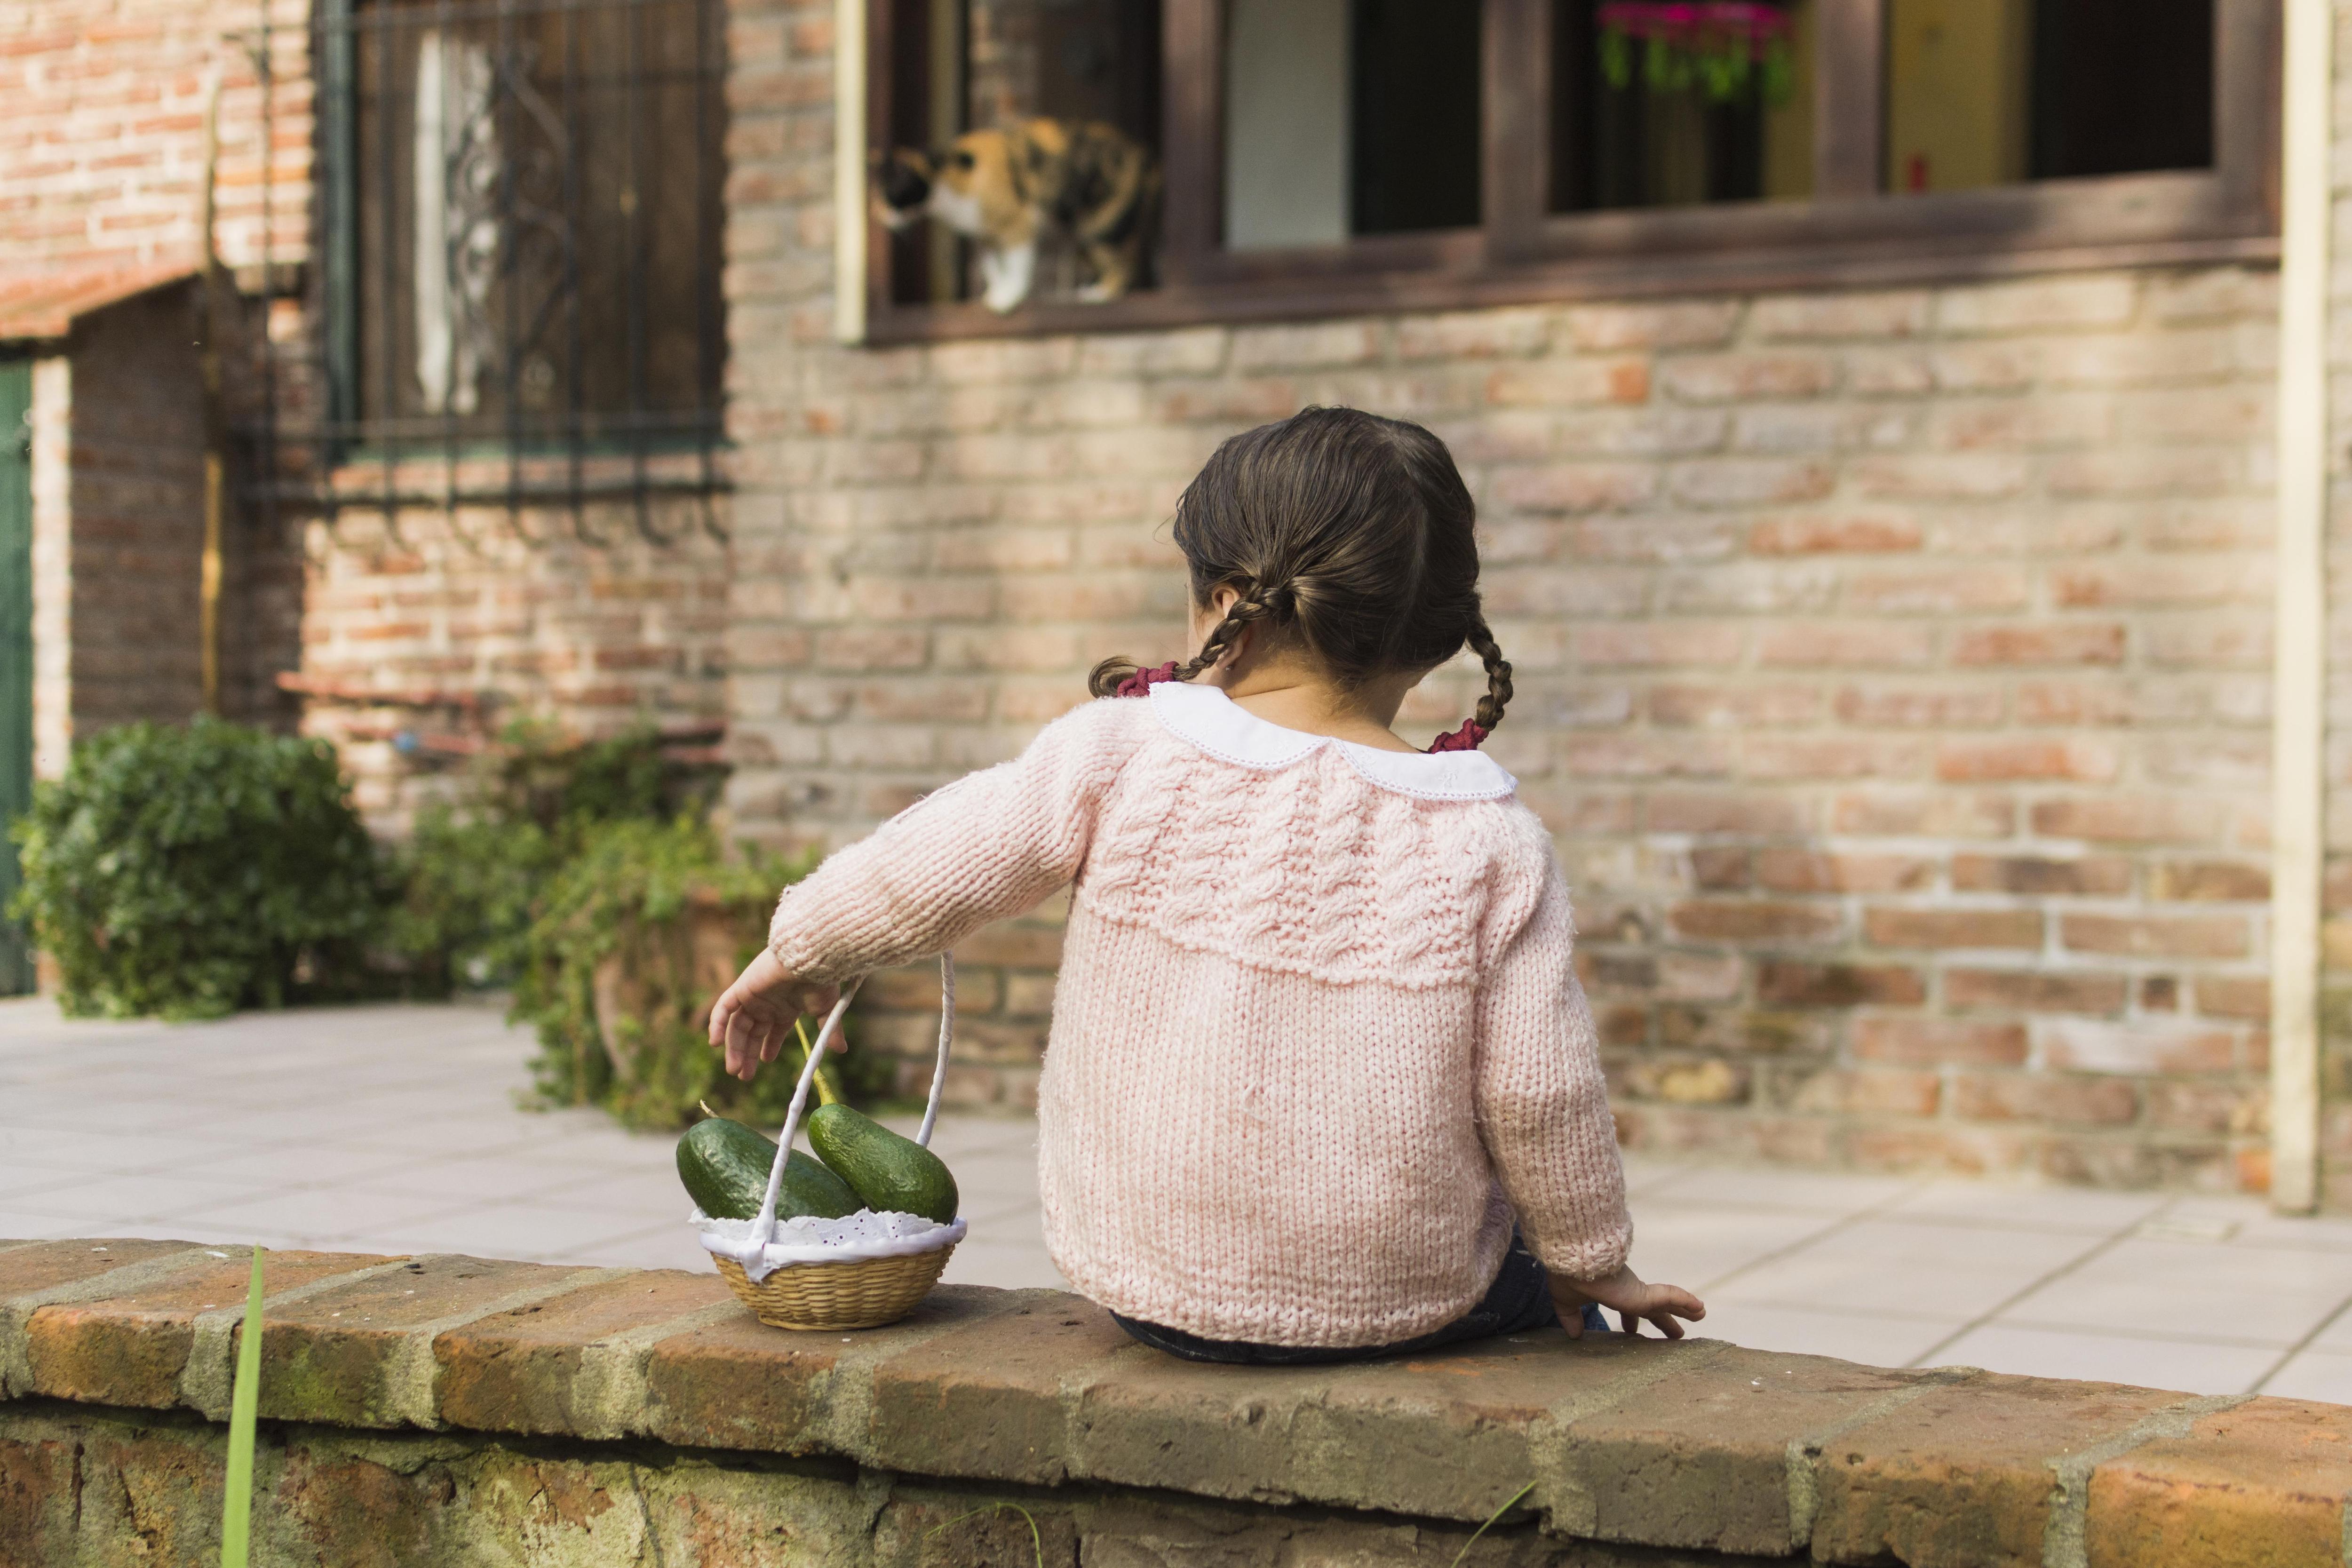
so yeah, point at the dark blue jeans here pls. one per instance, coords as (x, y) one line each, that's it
(1518, 1300)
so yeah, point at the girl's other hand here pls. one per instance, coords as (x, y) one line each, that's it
(752, 1017)
(1632, 1300)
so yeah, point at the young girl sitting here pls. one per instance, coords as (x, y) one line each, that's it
(1322, 1083)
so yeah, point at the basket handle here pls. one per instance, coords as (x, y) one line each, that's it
(763, 1229)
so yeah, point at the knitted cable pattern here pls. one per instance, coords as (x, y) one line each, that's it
(1316, 1041)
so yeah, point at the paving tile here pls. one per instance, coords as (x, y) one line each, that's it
(92, 1116)
(2190, 1367)
(503, 1230)
(2073, 1209)
(283, 1165)
(2256, 1226)
(2335, 1333)
(66, 1149)
(1007, 1265)
(670, 1245)
(18, 1180)
(1930, 1270)
(460, 1180)
(1004, 1213)
(2195, 1290)
(442, 1136)
(1643, 1172)
(1809, 1192)
(103, 1197)
(322, 1213)
(1873, 1340)
(26, 1223)
(1693, 1246)
(592, 1184)
(2314, 1374)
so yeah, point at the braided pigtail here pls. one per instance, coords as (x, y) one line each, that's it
(1490, 708)
(1247, 609)
(1118, 677)
(1108, 677)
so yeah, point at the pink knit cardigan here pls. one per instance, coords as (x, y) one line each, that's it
(1317, 1037)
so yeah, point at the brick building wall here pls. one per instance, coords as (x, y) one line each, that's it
(101, 159)
(135, 496)
(521, 611)
(101, 131)
(1892, 666)
(2335, 1008)
(101, 174)
(1892, 663)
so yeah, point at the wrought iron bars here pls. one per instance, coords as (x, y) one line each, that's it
(520, 210)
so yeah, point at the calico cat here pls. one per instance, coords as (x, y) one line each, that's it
(1008, 187)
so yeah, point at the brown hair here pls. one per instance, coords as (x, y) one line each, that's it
(1346, 530)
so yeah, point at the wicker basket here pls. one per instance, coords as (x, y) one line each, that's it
(861, 1295)
(853, 1292)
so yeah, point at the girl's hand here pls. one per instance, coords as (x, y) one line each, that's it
(1624, 1293)
(752, 1017)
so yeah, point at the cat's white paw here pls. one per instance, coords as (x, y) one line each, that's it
(1004, 301)
(1098, 294)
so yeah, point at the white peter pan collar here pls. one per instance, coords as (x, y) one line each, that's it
(1225, 729)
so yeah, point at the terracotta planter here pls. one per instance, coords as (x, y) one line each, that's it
(668, 973)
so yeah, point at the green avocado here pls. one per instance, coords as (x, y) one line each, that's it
(725, 1166)
(892, 1174)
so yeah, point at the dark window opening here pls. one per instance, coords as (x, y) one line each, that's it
(1413, 122)
(1679, 119)
(1990, 92)
(2122, 86)
(535, 237)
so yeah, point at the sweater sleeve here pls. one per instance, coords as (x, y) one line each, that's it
(992, 845)
(1542, 1105)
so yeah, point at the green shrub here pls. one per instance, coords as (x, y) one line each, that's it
(471, 875)
(657, 919)
(189, 873)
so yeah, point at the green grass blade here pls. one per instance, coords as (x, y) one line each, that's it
(236, 1504)
(1490, 1523)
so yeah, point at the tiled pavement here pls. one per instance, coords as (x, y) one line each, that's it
(399, 1129)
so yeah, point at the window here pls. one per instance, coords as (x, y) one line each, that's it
(522, 206)
(1323, 155)
(987, 65)
(1347, 118)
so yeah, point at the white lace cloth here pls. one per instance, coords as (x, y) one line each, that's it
(850, 1239)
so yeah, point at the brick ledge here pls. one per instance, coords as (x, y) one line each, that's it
(1701, 1445)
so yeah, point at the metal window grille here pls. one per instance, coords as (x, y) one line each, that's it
(520, 225)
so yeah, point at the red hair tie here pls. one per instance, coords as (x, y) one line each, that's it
(1465, 739)
(1143, 681)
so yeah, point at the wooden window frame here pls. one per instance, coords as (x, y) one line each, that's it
(1848, 234)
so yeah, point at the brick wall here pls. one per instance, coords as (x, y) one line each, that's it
(102, 163)
(136, 499)
(117, 479)
(102, 148)
(2336, 979)
(442, 1410)
(1892, 665)
(101, 131)
(517, 608)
